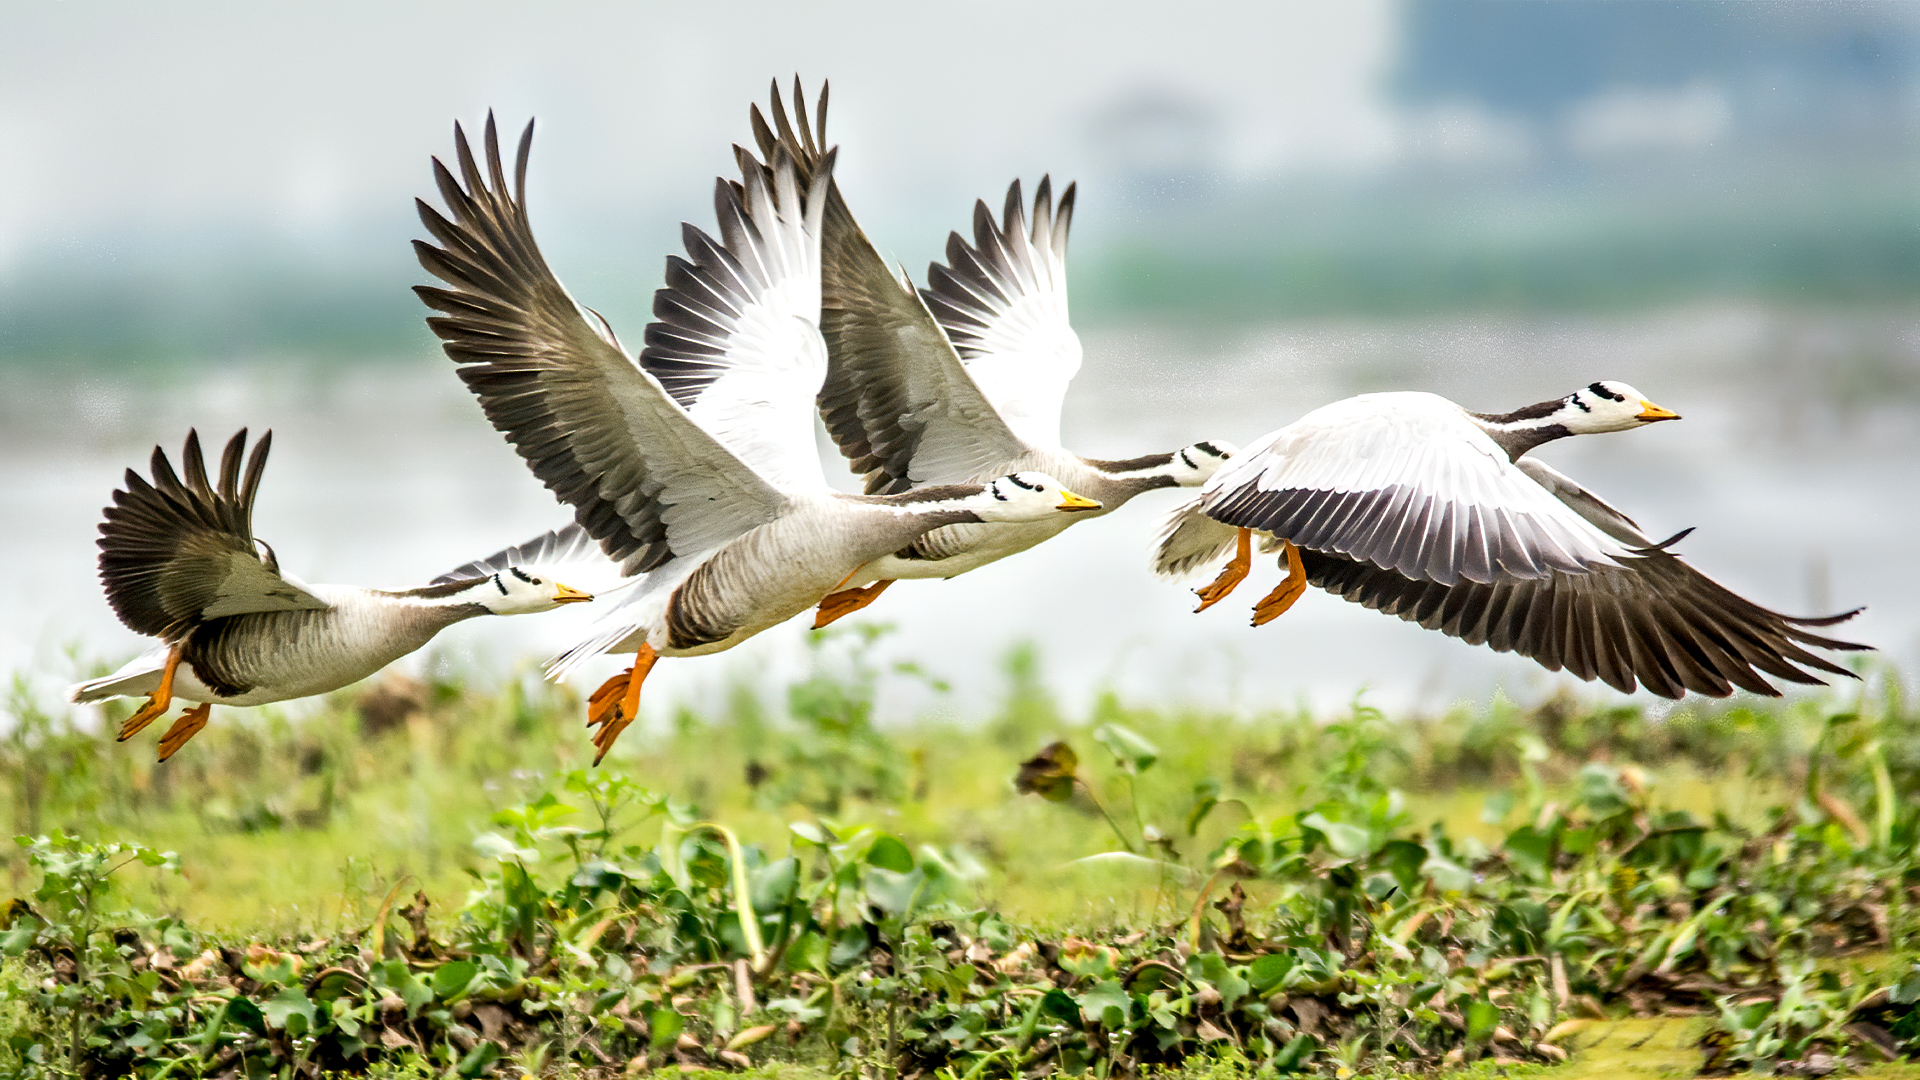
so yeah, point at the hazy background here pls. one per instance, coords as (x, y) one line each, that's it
(205, 209)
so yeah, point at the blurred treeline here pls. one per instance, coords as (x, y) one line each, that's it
(1830, 233)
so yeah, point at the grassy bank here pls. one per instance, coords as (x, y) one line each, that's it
(427, 878)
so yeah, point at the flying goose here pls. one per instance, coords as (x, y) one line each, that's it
(1413, 506)
(954, 384)
(732, 536)
(180, 562)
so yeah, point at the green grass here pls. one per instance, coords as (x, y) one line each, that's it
(1174, 890)
(309, 823)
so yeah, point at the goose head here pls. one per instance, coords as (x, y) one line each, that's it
(517, 591)
(1026, 496)
(1603, 406)
(1195, 463)
(1608, 406)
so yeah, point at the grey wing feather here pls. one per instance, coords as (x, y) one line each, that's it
(897, 401)
(597, 430)
(1189, 540)
(175, 553)
(1652, 620)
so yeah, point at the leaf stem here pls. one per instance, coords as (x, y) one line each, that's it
(1111, 824)
(742, 894)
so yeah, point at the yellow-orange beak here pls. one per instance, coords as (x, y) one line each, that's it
(1650, 412)
(563, 594)
(1071, 502)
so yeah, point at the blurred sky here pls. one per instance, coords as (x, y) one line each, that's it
(298, 119)
(205, 209)
(123, 118)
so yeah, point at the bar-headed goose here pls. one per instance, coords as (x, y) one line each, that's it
(732, 539)
(1411, 505)
(955, 384)
(180, 562)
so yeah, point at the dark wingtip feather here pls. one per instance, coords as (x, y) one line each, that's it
(1829, 620)
(521, 156)
(800, 115)
(1665, 544)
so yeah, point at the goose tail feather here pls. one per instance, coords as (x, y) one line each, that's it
(1189, 541)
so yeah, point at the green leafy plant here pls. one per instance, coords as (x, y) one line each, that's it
(75, 878)
(1752, 865)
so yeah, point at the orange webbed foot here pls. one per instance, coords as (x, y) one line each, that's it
(152, 710)
(1276, 603)
(847, 601)
(617, 703)
(1231, 575)
(604, 705)
(185, 728)
(603, 739)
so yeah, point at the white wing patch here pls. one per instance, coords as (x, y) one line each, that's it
(1406, 481)
(748, 368)
(1003, 302)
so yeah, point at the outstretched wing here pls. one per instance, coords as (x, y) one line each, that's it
(644, 480)
(1596, 510)
(569, 552)
(1651, 618)
(176, 553)
(1408, 483)
(897, 399)
(737, 341)
(1003, 302)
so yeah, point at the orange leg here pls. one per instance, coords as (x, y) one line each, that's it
(185, 728)
(1231, 575)
(617, 703)
(1279, 600)
(846, 602)
(158, 702)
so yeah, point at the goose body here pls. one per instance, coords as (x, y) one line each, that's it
(776, 571)
(1411, 505)
(956, 384)
(179, 561)
(729, 536)
(273, 656)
